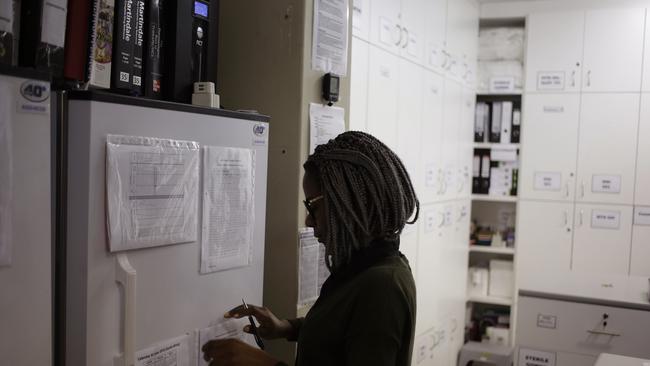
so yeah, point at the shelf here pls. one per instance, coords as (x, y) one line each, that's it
(490, 145)
(488, 198)
(491, 300)
(516, 92)
(493, 250)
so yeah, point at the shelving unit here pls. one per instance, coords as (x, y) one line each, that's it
(495, 212)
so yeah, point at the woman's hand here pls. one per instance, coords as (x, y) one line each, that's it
(270, 326)
(233, 352)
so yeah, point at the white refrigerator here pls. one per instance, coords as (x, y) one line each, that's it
(25, 218)
(123, 295)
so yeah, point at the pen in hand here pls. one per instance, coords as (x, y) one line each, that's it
(258, 340)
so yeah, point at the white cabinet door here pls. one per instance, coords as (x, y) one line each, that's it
(431, 138)
(413, 24)
(554, 51)
(435, 30)
(450, 137)
(409, 120)
(607, 147)
(543, 242)
(642, 192)
(429, 272)
(640, 263)
(361, 19)
(613, 50)
(383, 84)
(359, 85)
(465, 144)
(602, 238)
(645, 83)
(549, 146)
(385, 28)
(469, 41)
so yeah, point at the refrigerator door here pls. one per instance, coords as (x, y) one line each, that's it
(25, 222)
(171, 298)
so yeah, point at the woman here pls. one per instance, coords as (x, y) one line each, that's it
(358, 199)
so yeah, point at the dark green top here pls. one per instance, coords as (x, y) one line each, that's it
(366, 317)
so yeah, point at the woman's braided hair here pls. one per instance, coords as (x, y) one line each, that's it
(367, 192)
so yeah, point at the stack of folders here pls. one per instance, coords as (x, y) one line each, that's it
(497, 122)
(495, 171)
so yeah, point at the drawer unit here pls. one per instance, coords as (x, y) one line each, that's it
(560, 324)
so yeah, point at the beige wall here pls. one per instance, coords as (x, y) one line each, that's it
(265, 64)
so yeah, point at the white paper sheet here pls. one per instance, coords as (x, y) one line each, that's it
(330, 36)
(173, 352)
(152, 191)
(228, 214)
(5, 175)
(313, 271)
(325, 123)
(232, 328)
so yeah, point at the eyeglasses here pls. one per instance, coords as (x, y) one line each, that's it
(309, 204)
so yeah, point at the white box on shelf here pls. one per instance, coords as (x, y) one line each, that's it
(496, 335)
(501, 279)
(477, 282)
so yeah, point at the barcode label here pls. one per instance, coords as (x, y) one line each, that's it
(137, 80)
(124, 76)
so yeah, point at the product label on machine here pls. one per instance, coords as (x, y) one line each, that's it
(34, 97)
(550, 80)
(606, 184)
(642, 216)
(546, 321)
(601, 219)
(531, 357)
(548, 181)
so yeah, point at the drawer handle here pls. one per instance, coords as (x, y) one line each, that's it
(602, 332)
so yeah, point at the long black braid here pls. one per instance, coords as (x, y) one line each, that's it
(367, 192)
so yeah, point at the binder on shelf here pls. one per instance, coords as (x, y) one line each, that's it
(124, 38)
(479, 122)
(76, 40)
(153, 75)
(101, 44)
(476, 173)
(138, 46)
(42, 35)
(506, 122)
(495, 124)
(516, 126)
(9, 21)
(485, 172)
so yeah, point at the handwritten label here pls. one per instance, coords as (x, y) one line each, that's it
(546, 321)
(531, 357)
(601, 219)
(642, 216)
(553, 109)
(502, 84)
(606, 184)
(548, 181)
(550, 80)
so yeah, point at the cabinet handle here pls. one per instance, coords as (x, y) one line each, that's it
(589, 78)
(582, 189)
(406, 39)
(400, 29)
(602, 332)
(566, 218)
(573, 78)
(582, 213)
(566, 190)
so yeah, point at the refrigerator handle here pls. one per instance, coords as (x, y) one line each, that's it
(125, 276)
